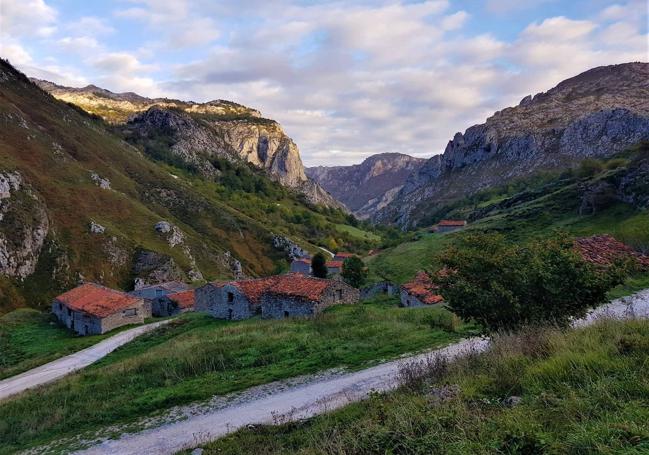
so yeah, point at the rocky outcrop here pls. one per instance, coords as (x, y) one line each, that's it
(193, 134)
(151, 267)
(101, 182)
(369, 186)
(292, 249)
(24, 225)
(595, 114)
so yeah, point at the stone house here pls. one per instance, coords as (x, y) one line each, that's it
(334, 267)
(301, 266)
(300, 296)
(172, 304)
(154, 296)
(341, 256)
(92, 309)
(273, 297)
(420, 291)
(449, 226)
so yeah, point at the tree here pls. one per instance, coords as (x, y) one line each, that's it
(354, 272)
(505, 286)
(319, 266)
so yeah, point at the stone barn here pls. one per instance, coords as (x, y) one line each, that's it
(302, 266)
(334, 267)
(91, 309)
(341, 256)
(420, 291)
(300, 296)
(232, 300)
(449, 226)
(154, 295)
(380, 288)
(172, 304)
(273, 297)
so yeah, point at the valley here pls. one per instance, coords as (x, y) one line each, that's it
(207, 270)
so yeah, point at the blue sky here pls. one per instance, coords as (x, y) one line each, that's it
(345, 79)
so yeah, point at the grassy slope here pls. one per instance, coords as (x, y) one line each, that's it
(29, 338)
(583, 391)
(143, 192)
(538, 206)
(197, 357)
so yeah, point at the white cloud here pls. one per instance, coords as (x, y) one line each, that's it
(26, 17)
(90, 26)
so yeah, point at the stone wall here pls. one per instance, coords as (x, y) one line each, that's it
(279, 307)
(224, 302)
(382, 288)
(408, 300)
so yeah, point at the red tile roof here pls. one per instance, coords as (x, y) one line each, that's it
(291, 284)
(424, 289)
(452, 223)
(97, 300)
(337, 264)
(296, 285)
(604, 250)
(344, 255)
(303, 260)
(184, 299)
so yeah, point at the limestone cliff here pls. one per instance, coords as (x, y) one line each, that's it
(368, 186)
(197, 132)
(595, 114)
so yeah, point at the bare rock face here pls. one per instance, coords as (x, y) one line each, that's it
(151, 267)
(24, 225)
(292, 249)
(101, 182)
(369, 186)
(96, 228)
(173, 234)
(595, 114)
(196, 133)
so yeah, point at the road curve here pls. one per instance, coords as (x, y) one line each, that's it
(73, 362)
(312, 398)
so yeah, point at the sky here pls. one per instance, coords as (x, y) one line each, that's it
(346, 79)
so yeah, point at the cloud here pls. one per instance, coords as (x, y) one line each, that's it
(508, 6)
(90, 26)
(26, 17)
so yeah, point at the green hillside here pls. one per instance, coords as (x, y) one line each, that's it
(56, 148)
(538, 206)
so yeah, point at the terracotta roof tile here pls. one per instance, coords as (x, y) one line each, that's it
(184, 299)
(301, 286)
(452, 223)
(604, 250)
(344, 255)
(337, 264)
(97, 300)
(424, 289)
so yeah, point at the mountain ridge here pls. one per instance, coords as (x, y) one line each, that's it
(367, 186)
(196, 133)
(594, 114)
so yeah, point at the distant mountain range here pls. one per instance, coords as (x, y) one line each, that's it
(196, 134)
(595, 114)
(367, 187)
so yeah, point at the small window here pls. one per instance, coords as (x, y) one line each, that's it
(286, 314)
(339, 294)
(230, 297)
(130, 312)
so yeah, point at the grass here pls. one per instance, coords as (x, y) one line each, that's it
(358, 233)
(196, 357)
(581, 391)
(29, 338)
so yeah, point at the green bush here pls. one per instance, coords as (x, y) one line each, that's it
(589, 168)
(505, 286)
(444, 320)
(354, 272)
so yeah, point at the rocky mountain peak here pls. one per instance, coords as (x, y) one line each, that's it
(594, 114)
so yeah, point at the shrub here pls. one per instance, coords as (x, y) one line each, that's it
(319, 266)
(589, 168)
(504, 286)
(444, 320)
(354, 272)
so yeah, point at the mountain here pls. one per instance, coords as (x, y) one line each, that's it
(367, 187)
(196, 134)
(595, 114)
(78, 202)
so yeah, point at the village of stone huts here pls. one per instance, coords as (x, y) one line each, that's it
(92, 309)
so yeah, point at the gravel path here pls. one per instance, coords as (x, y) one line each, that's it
(73, 362)
(313, 397)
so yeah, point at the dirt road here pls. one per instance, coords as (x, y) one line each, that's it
(310, 398)
(73, 362)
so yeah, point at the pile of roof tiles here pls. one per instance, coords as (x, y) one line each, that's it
(424, 289)
(604, 250)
